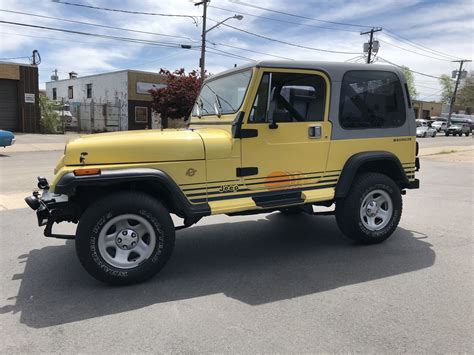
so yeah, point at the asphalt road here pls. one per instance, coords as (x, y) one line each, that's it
(265, 283)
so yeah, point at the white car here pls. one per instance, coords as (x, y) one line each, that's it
(439, 126)
(424, 129)
(69, 120)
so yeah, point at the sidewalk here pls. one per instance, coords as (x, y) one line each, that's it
(30, 142)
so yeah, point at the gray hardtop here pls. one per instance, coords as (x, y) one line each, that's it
(335, 70)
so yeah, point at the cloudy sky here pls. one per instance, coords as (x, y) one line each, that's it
(423, 35)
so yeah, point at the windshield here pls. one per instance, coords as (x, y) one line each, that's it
(223, 95)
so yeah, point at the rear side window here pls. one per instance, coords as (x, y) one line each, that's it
(371, 99)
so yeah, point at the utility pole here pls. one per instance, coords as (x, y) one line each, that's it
(458, 79)
(370, 46)
(202, 60)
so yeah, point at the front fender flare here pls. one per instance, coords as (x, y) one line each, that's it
(68, 183)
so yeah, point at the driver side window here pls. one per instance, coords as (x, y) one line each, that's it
(289, 97)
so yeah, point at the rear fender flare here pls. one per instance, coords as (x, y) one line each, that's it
(356, 162)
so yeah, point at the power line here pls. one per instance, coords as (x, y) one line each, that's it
(124, 39)
(59, 39)
(95, 24)
(393, 34)
(125, 11)
(434, 94)
(413, 71)
(228, 54)
(426, 87)
(416, 45)
(239, 2)
(409, 50)
(248, 50)
(283, 21)
(283, 42)
(14, 58)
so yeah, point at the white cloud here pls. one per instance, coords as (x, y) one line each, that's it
(444, 26)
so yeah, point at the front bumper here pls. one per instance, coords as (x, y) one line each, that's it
(51, 208)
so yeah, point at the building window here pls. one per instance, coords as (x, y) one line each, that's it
(70, 92)
(141, 114)
(89, 91)
(55, 94)
(371, 99)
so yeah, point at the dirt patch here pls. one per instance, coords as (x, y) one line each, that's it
(454, 156)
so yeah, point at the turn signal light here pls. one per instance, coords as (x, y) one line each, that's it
(82, 172)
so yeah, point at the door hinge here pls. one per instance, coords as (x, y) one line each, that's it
(247, 171)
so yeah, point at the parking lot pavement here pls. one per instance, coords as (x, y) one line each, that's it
(31, 142)
(265, 283)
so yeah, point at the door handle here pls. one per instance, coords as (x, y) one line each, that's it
(314, 132)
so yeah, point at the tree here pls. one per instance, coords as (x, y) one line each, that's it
(176, 100)
(465, 95)
(448, 88)
(410, 82)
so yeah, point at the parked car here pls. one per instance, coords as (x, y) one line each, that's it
(424, 129)
(439, 126)
(459, 129)
(69, 120)
(260, 139)
(6, 138)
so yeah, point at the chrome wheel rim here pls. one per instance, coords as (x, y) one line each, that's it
(126, 241)
(376, 210)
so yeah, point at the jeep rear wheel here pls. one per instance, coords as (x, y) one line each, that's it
(371, 211)
(125, 238)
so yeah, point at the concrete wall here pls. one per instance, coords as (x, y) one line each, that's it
(433, 109)
(9, 71)
(109, 89)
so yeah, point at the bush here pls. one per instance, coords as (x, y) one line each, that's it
(176, 100)
(50, 120)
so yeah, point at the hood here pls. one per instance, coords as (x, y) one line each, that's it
(135, 147)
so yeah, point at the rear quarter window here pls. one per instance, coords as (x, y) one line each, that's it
(371, 99)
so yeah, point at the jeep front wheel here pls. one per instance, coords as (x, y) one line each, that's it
(125, 238)
(371, 211)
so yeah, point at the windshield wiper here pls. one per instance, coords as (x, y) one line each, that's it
(218, 107)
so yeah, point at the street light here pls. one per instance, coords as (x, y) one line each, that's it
(238, 17)
(202, 61)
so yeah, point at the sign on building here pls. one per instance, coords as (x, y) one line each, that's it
(143, 88)
(29, 98)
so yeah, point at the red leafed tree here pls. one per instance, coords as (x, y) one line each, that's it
(176, 100)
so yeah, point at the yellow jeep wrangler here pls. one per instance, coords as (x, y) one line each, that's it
(271, 136)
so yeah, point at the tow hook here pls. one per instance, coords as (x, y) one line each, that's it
(33, 201)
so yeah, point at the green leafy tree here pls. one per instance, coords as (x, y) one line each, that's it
(410, 82)
(50, 121)
(465, 95)
(447, 86)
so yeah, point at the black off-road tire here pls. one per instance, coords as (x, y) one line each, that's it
(348, 209)
(96, 217)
